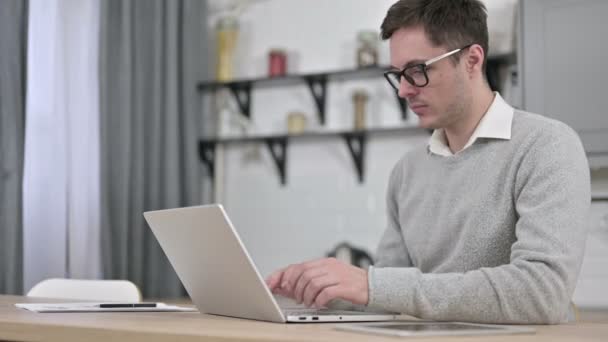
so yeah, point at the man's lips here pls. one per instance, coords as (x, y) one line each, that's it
(415, 107)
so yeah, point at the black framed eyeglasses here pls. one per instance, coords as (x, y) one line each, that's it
(416, 74)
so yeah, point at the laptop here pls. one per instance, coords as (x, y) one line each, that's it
(219, 275)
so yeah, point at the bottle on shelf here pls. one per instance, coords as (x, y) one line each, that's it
(360, 98)
(227, 33)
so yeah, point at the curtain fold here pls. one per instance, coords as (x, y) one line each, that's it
(151, 56)
(61, 156)
(13, 46)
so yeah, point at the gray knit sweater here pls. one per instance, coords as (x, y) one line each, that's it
(495, 233)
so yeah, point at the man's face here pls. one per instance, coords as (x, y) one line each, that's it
(443, 101)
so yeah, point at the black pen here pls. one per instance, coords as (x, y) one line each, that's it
(127, 305)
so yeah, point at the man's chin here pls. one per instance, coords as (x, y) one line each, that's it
(427, 124)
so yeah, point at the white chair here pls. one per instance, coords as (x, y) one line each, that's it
(94, 290)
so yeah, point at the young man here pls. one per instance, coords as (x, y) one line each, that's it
(487, 222)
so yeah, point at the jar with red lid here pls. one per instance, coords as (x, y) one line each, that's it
(277, 63)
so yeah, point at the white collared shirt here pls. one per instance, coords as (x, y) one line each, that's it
(495, 124)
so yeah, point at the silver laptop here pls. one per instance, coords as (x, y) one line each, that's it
(211, 261)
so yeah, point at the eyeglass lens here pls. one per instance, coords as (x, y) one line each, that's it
(414, 75)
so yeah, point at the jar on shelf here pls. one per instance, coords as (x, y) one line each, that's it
(296, 123)
(277, 63)
(360, 98)
(227, 32)
(367, 50)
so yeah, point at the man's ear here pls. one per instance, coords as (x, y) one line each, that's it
(474, 58)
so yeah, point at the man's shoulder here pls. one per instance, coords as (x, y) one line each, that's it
(534, 127)
(413, 156)
(540, 139)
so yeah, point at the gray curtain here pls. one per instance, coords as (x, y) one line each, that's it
(151, 56)
(13, 45)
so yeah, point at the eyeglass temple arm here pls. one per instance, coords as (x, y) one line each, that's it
(447, 54)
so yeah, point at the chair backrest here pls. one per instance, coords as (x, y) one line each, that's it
(78, 289)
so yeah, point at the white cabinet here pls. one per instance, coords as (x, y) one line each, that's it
(564, 74)
(593, 280)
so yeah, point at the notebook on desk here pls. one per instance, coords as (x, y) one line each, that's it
(214, 266)
(100, 307)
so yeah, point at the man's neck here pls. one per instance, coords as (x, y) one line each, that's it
(458, 135)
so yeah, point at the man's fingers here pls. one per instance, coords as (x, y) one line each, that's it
(304, 280)
(326, 295)
(274, 279)
(315, 286)
(290, 278)
(280, 291)
(294, 272)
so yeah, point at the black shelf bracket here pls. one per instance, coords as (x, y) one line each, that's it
(356, 145)
(206, 151)
(242, 94)
(278, 149)
(318, 89)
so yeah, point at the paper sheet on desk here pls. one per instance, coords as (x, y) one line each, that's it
(94, 307)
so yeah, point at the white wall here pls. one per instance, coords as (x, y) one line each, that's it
(323, 203)
(591, 288)
(593, 280)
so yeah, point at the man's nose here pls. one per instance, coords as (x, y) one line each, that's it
(406, 90)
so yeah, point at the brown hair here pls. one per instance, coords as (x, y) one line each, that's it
(450, 23)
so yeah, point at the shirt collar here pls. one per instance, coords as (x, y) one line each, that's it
(495, 124)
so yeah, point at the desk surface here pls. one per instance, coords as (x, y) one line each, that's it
(21, 325)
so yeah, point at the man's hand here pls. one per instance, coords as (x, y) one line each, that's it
(320, 281)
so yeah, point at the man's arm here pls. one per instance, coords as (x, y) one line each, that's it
(332, 283)
(552, 202)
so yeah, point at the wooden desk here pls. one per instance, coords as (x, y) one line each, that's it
(21, 325)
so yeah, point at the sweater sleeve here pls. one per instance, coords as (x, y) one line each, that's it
(391, 250)
(552, 200)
